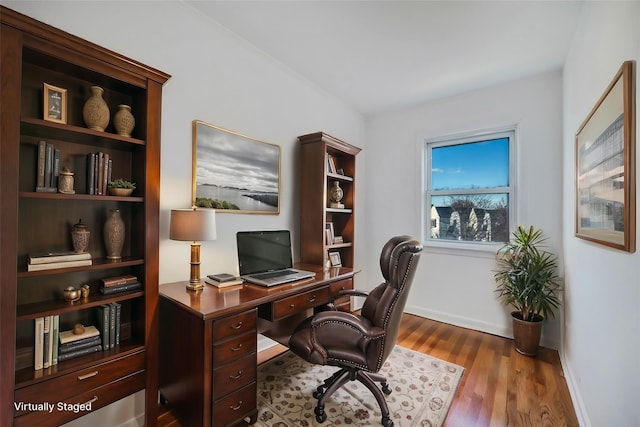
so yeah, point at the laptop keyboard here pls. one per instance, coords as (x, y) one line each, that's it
(273, 274)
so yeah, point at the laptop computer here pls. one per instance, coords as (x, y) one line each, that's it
(265, 258)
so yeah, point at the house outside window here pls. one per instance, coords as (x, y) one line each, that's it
(470, 189)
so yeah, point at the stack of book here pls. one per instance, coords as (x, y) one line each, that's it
(112, 285)
(108, 320)
(75, 345)
(52, 260)
(46, 346)
(223, 280)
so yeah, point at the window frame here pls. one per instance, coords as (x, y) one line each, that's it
(510, 132)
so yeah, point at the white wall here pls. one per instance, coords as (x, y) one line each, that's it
(220, 79)
(454, 286)
(602, 344)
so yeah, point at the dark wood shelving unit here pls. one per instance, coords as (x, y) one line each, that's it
(33, 53)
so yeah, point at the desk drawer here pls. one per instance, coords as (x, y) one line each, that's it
(233, 408)
(234, 325)
(234, 375)
(72, 384)
(234, 348)
(93, 399)
(296, 303)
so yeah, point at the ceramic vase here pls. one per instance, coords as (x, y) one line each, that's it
(114, 234)
(123, 120)
(96, 111)
(80, 237)
(335, 195)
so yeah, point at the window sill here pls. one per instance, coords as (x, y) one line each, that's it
(476, 250)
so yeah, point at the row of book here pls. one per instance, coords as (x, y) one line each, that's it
(99, 170)
(61, 259)
(53, 346)
(99, 167)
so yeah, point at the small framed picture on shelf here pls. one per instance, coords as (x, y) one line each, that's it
(335, 259)
(54, 103)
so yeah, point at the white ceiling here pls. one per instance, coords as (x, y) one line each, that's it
(378, 56)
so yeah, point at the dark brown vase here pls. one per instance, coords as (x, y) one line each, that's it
(526, 334)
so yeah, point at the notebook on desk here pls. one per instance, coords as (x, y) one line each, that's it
(265, 258)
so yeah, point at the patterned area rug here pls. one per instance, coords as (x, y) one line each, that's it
(423, 389)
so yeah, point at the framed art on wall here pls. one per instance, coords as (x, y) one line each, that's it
(233, 172)
(54, 104)
(605, 166)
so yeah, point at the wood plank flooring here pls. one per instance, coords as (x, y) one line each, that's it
(500, 387)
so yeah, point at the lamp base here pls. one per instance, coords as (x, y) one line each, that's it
(194, 286)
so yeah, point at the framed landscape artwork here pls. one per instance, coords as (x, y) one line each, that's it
(605, 166)
(233, 172)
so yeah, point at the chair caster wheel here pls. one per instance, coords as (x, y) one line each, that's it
(387, 422)
(386, 389)
(321, 416)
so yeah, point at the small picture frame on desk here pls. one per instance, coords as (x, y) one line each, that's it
(54, 104)
(335, 259)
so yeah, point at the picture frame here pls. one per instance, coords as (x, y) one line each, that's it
(605, 166)
(234, 173)
(54, 103)
(334, 258)
(329, 233)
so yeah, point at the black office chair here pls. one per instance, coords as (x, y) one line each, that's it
(360, 344)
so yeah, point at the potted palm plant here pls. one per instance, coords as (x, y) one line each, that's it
(527, 280)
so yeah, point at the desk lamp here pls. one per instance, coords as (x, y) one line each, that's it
(195, 226)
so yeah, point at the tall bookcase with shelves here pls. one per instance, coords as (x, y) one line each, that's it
(32, 54)
(327, 228)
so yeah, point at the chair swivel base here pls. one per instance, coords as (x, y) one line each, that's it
(342, 376)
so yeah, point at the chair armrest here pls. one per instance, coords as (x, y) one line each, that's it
(337, 320)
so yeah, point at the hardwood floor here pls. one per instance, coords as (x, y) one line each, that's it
(500, 387)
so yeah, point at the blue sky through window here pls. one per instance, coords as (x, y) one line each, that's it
(482, 164)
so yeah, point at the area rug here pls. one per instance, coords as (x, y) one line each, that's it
(423, 389)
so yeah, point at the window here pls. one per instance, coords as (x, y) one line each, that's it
(469, 183)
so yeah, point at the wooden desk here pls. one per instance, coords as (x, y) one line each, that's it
(208, 341)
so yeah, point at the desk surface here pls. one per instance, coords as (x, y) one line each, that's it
(212, 302)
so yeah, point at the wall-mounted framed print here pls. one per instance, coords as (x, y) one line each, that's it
(54, 103)
(233, 172)
(605, 166)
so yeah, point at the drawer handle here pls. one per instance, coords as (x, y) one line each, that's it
(86, 376)
(236, 376)
(237, 326)
(95, 399)
(312, 299)
(342, 288)
(292, 305)
(236, 407)
(236, 348)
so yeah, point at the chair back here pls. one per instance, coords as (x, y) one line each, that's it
(385, 304)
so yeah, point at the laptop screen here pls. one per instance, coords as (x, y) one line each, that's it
(260, 251)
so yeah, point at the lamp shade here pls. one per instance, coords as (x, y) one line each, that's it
(193, 225)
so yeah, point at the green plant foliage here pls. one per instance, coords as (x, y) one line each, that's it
(205, 202)
(121, 183)
(527, 276)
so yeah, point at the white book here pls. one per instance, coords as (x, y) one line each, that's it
(49, 359)
(49, 257)
(61, 264)
(46, 362)
(56, 339)
(38, 348)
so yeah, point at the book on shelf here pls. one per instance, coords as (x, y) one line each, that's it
(103, 314)
(91, 164)
(81, 352)
(45, 168)
(57, 256)
(48, 166)
(45, 342)
(42, 148)
(79, 344)
(38, 348)
(116, 310)
(120, 288)
(56, 339)
(60, 264)
(222, 277)
(127, 279)
(55, 172)
(232, 282)
(69, 336)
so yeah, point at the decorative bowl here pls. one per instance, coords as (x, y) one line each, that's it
(120, 191)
